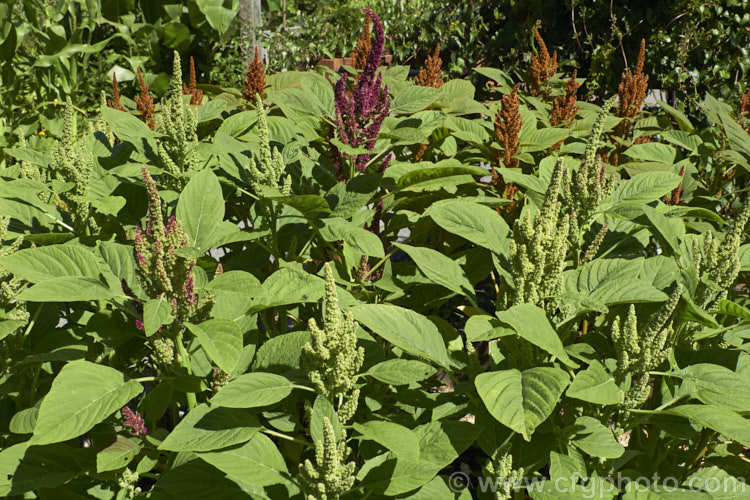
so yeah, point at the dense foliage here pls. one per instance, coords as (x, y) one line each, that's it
(362, 285)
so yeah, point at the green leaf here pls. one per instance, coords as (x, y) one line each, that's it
(715, 383)
(55, 261)
(401, 440)
(9, 326)
(201, 209)
(127, 127)
(401, 371)
(117, 455)
(197, 480)
(338, 229)
(477, 223)
(447, 168)
(322, 408)
(289, 286)
(594, 439)
(82, 395)
(522, 400)
(257, 462)
(156, 313)
(206, 429)
(68, 289)
(311, 206)
(595, 385)
(652, 151)
(718, 418)
(24, 421)
(405, 329)
(222, 341)
(645, 188)
(441, 442)
(253, 390)
(530, 323)
(412, 99)
(682, 121)
(440, 268)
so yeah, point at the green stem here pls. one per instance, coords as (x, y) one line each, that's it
(185, 361)
(284, 436)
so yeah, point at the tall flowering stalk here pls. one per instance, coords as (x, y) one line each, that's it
(631, 92)
(145, 103)
(542, 68)
(507, 130)
(115, 102)
(161, 272)
(196, 95)
(360, 116)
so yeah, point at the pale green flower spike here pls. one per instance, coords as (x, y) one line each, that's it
(506, 478)
(539, 247)
(73, 164)
(333, 358)
(177, 151)
(718, 263)
(640, 350)
(101, 124)
(268, 168)
(28, 171)
(584, 190)
(331, 476)
(10, 285)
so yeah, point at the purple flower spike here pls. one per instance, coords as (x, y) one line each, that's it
(133, 421)
(360, 116)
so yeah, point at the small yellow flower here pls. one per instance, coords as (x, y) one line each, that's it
(55, 101)
(41, 132)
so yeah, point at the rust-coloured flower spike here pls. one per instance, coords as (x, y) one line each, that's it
(429, 74)
(675, 197)
(631, 92)
(564, 106)
(196, 95)
(745, 108)
(145, 102)
(362, 50)
(508, 127)
(115, 102)
(255, 79)
(542, 68)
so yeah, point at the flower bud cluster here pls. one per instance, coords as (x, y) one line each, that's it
(331, 476)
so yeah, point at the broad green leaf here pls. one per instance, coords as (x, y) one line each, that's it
(257, 462)
(440, 268)
(82, 395)
(201, 209)
(404, 328)
(205, 429)
(311, 206)
(222, 341)
(282, 353)
(419, 175)
(338, 229)
(645, 188)
(234, 291)
(715, 383)
(322, 408)
(395, 476)
(253, 390)
(24, 421)
(739, 140)
(720, 419)
(156, 313)
(56, 261)
(595, 385)
(482, 327)
(9, 326)
(530, 323)
(402, 441)
(522, 400)
(441, 442)
(68, 289)
(477, 223)
(289, 286)
(652, 151)
(733, 309)
(682, 121)
(197, 480)
(117, 455)
(401, 371)
(126, 126)
(594, 439)
(412, 99)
